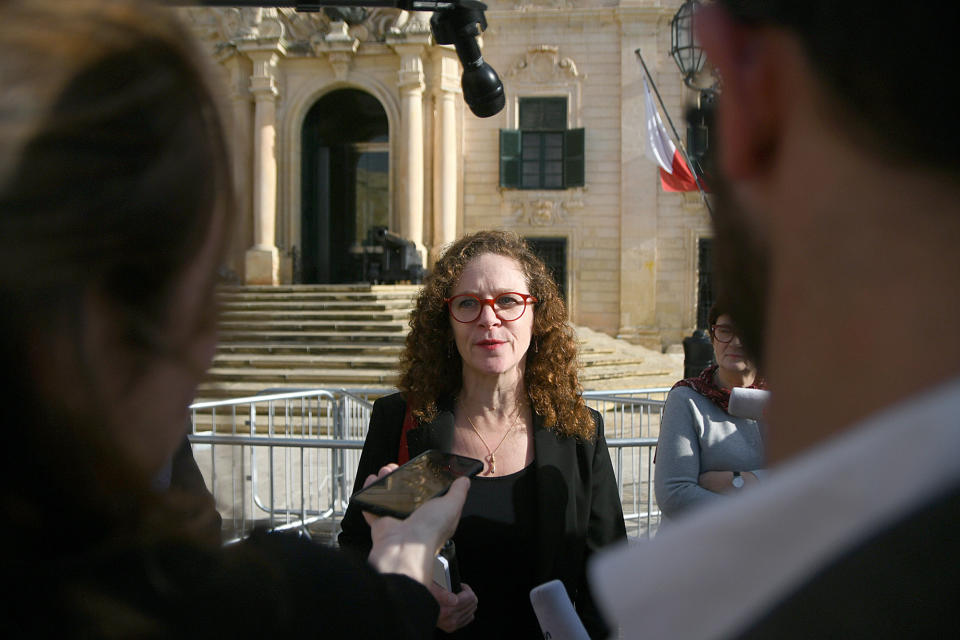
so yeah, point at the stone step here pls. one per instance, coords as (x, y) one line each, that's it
(348, 326)
(351, 336)
(590, 358)
(282, 305)
(331, 288)
(588, 347)
(231, 336)
(299, 361)
(227, 389)
(222, 390)
(607, 372)
(326, 316)
(350, 376)
(306, 377)
(588, 353)
(323, 358)
(314, 296)
(341, 349)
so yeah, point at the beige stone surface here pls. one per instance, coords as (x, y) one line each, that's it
(643, 368)
(631, 247)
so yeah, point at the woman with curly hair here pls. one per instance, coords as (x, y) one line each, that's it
(490, 371)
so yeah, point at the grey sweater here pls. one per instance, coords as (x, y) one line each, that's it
(696, 436)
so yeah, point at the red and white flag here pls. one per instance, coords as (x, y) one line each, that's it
(675, 175)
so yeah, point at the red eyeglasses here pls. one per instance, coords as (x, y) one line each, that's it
(508, 306)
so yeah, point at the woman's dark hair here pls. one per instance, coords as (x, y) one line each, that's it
(431, 367)
(113, 165)
(720, 306)
(717, 309)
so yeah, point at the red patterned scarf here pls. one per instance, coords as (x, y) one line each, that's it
(705, 385)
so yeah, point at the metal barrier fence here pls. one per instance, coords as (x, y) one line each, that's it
(631, 420)
(287, 460)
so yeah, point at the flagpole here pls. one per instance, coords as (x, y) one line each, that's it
(683, 148)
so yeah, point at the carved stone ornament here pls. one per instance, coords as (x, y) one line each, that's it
(338, 45)
(412, 23)
(543, 212)
(271, 26)
(542, 65)
(527, 5)
(299, 30)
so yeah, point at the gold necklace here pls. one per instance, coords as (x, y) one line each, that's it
(490, 457)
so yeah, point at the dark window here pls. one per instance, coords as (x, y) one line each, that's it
(543, 114)
(542, 153)
(553, 252)
(705, 290)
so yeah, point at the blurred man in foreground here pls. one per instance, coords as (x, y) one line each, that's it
(840, 179)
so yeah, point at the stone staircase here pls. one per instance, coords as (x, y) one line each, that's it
(310, 336)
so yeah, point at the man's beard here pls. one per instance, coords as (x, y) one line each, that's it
(741, 263)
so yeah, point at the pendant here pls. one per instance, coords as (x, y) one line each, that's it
(492, 462)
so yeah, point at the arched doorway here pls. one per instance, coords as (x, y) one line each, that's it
(345, 182)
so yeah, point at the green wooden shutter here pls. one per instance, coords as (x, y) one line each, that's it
(510, 149)
(574, 158)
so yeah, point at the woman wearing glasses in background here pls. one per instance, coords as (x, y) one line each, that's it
(490, 371)
(703, 452)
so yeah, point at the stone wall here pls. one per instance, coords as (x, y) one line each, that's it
(631, 247)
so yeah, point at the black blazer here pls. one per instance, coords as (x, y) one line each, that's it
(578, 504)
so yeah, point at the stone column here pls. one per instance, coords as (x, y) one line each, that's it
(262, 259)
(446, 176)
(410, 187)
(236, 70)
(409, 43)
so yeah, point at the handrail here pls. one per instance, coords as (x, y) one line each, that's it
(275, 441)
(358, 393)
(287, 395)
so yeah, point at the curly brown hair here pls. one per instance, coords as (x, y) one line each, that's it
(431, 366)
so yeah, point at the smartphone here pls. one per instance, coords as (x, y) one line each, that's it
(427, 476)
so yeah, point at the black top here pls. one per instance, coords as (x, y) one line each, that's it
(576, 509)
(495, 544)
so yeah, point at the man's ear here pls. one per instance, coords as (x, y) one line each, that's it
(752, 84)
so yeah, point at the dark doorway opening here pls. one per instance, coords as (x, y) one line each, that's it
(553, 252)
(345, 184)
(705, 287)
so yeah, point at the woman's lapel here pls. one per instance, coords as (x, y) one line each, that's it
(554, 458)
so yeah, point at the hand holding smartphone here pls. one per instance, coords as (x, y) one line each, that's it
(402, 491)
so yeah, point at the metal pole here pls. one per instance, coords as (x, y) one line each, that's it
(696, 176)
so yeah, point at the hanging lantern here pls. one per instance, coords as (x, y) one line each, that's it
(686, 52)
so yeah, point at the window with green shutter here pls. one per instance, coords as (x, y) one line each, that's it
(542, 153)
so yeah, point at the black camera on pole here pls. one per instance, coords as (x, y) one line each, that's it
(389, 258)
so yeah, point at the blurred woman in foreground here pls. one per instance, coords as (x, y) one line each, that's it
(703, 452)
(114, 211)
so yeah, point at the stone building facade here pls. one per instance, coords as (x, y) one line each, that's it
(348, 119)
